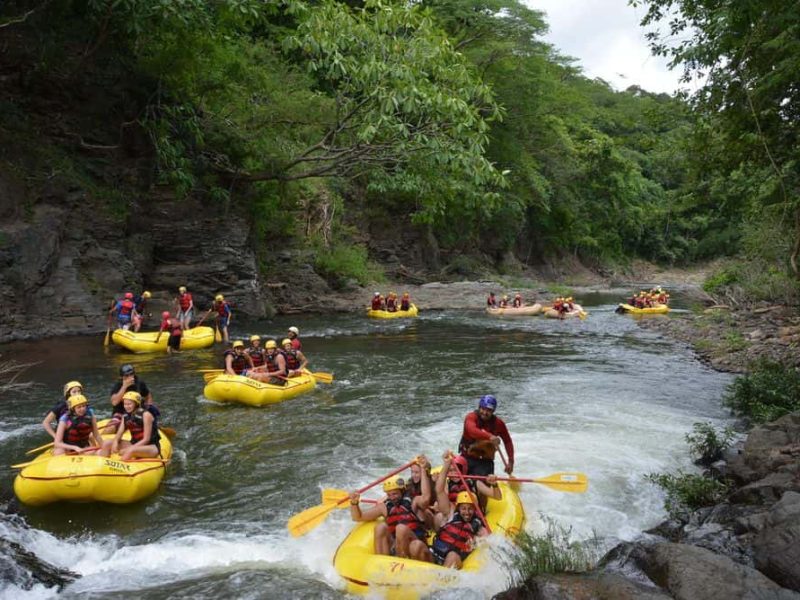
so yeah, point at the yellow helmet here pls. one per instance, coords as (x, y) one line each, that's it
(286, 341)
(569, 299)
(146, 294)
(394, 483)
(71, 384)
(219, 298)
(237, 344)
(270, 344)
(255, 338)
(133, 397)
(464, 498)
(182, 289)
(76, 400)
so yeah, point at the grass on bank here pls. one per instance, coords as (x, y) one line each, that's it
(552, 552)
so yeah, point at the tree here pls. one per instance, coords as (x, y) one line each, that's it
(748, 51)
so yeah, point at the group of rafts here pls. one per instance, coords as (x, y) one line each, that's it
(559, 308)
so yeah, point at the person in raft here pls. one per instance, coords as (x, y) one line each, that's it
(129, 382)
(503, 302)
(144, 442)
(404, 517)
(457, 525)
(237, 361)
(77, 430)
(71, 388)
(296, 361)
(481, 437)
(185, 307)
(274, 369)
(517, 301)
(223, 316)
(391, 302)
(405, 301)
(255, 351)
(491, 301)
(377, 301)
(292, 333)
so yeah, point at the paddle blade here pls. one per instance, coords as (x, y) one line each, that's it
(311, 518)
(576, 483)
(582, 315)
(217, 334)
(332, 495)
(323, 377)
(22, 465)
(107, 341)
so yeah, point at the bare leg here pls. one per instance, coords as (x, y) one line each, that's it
(419, 551)
(452, 561)
(382, 542)
(403, 537)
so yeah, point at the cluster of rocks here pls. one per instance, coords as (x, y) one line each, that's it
(745, 547)
(732, 340)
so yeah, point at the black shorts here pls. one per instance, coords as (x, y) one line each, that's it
(174, 342)
(480, 466)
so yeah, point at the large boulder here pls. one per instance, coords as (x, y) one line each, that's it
(583, 586)
(776, 548)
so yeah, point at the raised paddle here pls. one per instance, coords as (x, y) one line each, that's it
(576, 483)
(475, 501)
(309, 519)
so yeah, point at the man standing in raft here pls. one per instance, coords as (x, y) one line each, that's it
(481, 438)
(185, 307)
(224, 315)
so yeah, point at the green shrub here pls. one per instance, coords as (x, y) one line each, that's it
(342, 261)
(770, 391)
(707, 444)
(716, 282)
(687, 492)
(553, 552)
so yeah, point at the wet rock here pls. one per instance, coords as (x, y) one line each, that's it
(690, 572)
(777, 547)
(768, 490)
(25, 570)
(583, 586)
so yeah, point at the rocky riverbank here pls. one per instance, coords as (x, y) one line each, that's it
(745, 547)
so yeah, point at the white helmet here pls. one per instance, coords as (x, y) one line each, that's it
(294, 330)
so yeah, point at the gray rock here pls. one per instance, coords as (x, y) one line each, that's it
(583, 586)
(777, 547)
(768, 490)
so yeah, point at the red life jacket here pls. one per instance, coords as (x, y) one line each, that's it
(376, 303)
(458, 534)
(391, 304)
(272, 363)
(517, 302)
(185, 301)
(454, 486)
(292, 362)
(398, 513)
(125, 308)
(257, 354)
(239, 363)
(489, 425)
(134, 422)
(405, 304)
(222, 308)
(78, 430)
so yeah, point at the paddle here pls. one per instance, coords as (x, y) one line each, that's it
(107, 340)
(323, 377)
(514, 486)
(576, 483)
(204, 318)
(217, 334)
(475, 501)
(30, 462)
(43, 447)
(337, 497)
(309, 519)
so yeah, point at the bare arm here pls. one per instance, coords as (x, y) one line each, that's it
(48, 424)
(379, 510)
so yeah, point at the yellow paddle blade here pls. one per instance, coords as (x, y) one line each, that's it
(323, 377)
(582, 315)
(302, 523)
(217, 334)
(576, 483)
(332, 495)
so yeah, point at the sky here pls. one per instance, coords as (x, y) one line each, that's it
(605, 37)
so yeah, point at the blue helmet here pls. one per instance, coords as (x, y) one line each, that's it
(488, 401)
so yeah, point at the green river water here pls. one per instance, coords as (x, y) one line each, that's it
(600, 396)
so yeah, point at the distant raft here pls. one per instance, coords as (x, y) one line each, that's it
(82, 478)
(510, 311)
(241, 389)
(661, 309)
(391, 577)
(399, 314)
(192, 339)
(552, 313)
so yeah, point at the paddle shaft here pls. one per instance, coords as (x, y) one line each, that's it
(204, 317)
(476, 503)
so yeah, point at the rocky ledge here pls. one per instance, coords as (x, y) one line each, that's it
(745, 547)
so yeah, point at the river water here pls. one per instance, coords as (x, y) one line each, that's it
(601, 396)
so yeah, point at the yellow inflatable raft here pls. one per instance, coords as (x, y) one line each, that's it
(192, 339)
(552, 313)
(79, 478)
(237, 388)
(522, 311)
(384, 314)
(391, 577)
(661, 309)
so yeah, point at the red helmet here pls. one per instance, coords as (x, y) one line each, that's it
(165, 314)
(460, 462)
(128, 295)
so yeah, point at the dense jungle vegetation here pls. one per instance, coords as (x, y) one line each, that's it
(456, 114)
